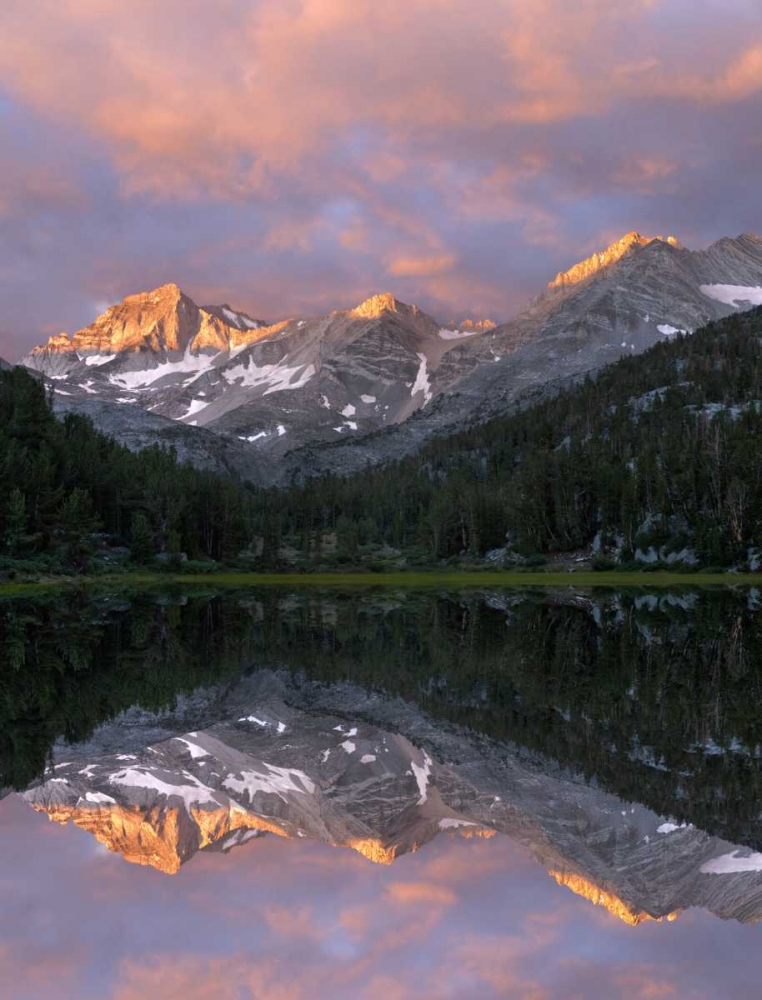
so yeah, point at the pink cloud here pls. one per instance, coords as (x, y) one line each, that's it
(225, 99)
(187, 977)
(295, 157)
(421, 267)
(420, 892)
(294, 922)
(36, 971)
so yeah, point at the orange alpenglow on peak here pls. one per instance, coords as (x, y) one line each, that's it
(477, 325)
(376, 305)
(168, 291)
(597, 261)
(162, 320)
(588, 890)
(60, 341)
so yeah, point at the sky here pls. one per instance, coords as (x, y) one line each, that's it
(296, 156)
(297, 920)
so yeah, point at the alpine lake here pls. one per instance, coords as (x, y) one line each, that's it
(454, 791)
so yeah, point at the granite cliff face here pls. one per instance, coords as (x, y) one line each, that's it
(318, 762)
(340, 379)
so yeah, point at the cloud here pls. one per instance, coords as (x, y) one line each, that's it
(296, 156)
(225, 100)
(237, 925)
(188, 977)
(293, 922)
(420, 892)
(421, 267)
(36, 971)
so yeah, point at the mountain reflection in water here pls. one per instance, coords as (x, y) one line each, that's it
(298, 920)
(612, 737)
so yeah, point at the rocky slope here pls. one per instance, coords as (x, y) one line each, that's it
(616, 303)
(222, 454)
(272, 387)
(321, 762)
(371, 383)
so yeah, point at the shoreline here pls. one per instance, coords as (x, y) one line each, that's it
(414, 580)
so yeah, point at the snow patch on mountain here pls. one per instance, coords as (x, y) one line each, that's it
(734, 295)
(194, 793)
(196, 406)
(728, 864)
(276, 377)
(276, 781)
(422, 774)
(191, 364)
(669, 331)
(457, 334)
(99, 359)
(196, 751)
(99, 798)
(422, 383)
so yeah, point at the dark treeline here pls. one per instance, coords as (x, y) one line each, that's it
(63, 484)
(73, 662)
(661, 449)
(653, 696)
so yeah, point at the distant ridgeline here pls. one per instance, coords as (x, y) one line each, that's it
(656, 459)
(64, 487)
(652, 696)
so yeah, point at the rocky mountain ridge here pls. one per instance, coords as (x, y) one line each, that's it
(319, 762)
(375, 381)
(597, 261)
(643, 292)
(270, 386)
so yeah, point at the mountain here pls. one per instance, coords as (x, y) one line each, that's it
(655, 460)
(274, 386)
(637, 293)
(376, 381)
(319, 764)
(221, 454)
(146, 330)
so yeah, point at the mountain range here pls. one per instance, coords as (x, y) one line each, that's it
(371, 383)
(319, 762)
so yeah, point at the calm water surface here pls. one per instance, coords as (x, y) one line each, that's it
(295, 794)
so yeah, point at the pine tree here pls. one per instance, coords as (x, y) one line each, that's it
(15, 521)
(141, 538)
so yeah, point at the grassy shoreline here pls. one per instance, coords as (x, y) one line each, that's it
(456, 579)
